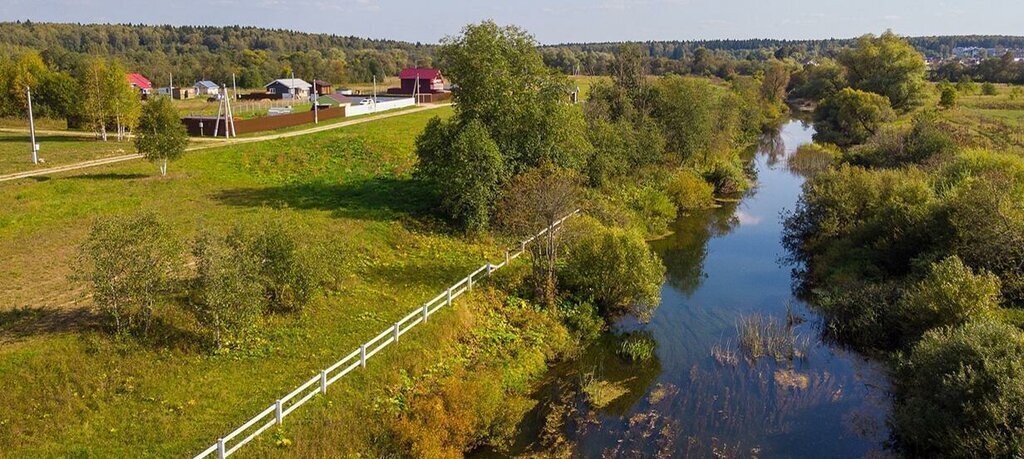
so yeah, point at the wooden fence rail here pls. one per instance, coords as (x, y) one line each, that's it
(317, 385)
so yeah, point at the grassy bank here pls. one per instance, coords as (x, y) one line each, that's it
(347, 189)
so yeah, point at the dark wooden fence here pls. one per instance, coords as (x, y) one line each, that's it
(204, 125)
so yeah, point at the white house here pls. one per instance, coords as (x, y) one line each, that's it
(206, 87)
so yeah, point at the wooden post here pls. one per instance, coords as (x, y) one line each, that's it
(362, 356)
(506, 257)
(398, 331)
(323, 381)
(449, 296)
(221, 452)
(469, 282)
(488, 269)
(278, 412)
(426, 311)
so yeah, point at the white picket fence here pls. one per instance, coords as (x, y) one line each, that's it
(276, 412)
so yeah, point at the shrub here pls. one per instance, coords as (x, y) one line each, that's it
(951, 294)
(689, 190)
(960, 393)
(947, 97)
(988, 89)
(653, 208)
(893, 147)
(129, 261)
(227, 295)
(849, 117)
(727, 176)
(862, 314)
(289, 280)
(614, 269)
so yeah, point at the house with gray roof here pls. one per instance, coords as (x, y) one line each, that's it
(206, 87)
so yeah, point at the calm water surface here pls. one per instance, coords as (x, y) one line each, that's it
(723, 265)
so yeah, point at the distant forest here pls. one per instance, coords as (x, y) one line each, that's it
(257, 55)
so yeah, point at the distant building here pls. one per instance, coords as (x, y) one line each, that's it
(323, 87)
(140, 83)
(430, 81)
(177, 93)
(294, 86)
(206, 87)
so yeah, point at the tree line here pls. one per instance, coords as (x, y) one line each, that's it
(193, 53)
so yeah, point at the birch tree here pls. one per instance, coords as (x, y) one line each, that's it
(161, 137)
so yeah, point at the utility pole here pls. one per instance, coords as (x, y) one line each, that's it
(292, 89)
(314, 96)
(233, 86)
(416, 89)
(375, 93)
(32, 127)
(170, 88)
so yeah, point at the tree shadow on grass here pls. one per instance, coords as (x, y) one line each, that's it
(23, 322)
(110, 176)
(380, 199)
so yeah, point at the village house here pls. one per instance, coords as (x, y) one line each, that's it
(295, 87)
(177, 93)
(206, 87)
(140, 83)
(430, 81)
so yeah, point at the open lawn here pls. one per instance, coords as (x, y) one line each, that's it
(54, 150)
(69, 389)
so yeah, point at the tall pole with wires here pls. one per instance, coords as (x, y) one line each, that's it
(314, 97)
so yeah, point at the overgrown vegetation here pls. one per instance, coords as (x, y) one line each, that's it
(911, 243)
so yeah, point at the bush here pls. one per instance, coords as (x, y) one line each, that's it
(612, 268)
(689, 190)
(862, 314)
(849, 117)
(947, 97)
(288, 278)
(653, 209)
(960, 393)
(227, 295)
(129, 262)
(951, 294)
(988, 89)
(893, 147)
(726, 176)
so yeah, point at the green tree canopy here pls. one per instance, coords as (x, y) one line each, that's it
(889, 66)
(850, 117)
(161, 136)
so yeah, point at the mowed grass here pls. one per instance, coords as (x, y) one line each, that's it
(70, 389)
(54, 150)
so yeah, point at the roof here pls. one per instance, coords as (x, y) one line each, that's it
(322, 83)
(334, 98)
(207, 84)
(423, 74)
(290, 83)
(139, 80)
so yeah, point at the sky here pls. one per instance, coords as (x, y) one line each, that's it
(554, 21)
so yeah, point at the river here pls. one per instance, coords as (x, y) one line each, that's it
(724, 266)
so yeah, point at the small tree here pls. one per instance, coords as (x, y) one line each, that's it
(850, 116)
(227, 296)
(613, 268)
(129, 262)
(988, 89)
(288, 279)
(960, 393)
(951, 294)
(947, 96)
(161, 136)
(534, 200)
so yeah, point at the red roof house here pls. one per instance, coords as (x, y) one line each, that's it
(430, 80)
(140, 82)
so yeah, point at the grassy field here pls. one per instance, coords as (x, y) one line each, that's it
(69, 389)
(54, 150)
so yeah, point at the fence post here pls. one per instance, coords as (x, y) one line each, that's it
(506, 257)
(449, 296)
(522, 246)
(362, 356)
(323, 382)
(397, 331)
(488, 269)
(221, 452)
(278, 412)
(469, 282)
(426, 311)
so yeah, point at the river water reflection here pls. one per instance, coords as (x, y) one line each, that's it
(724, 265)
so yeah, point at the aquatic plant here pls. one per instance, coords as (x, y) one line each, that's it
(637, 348)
